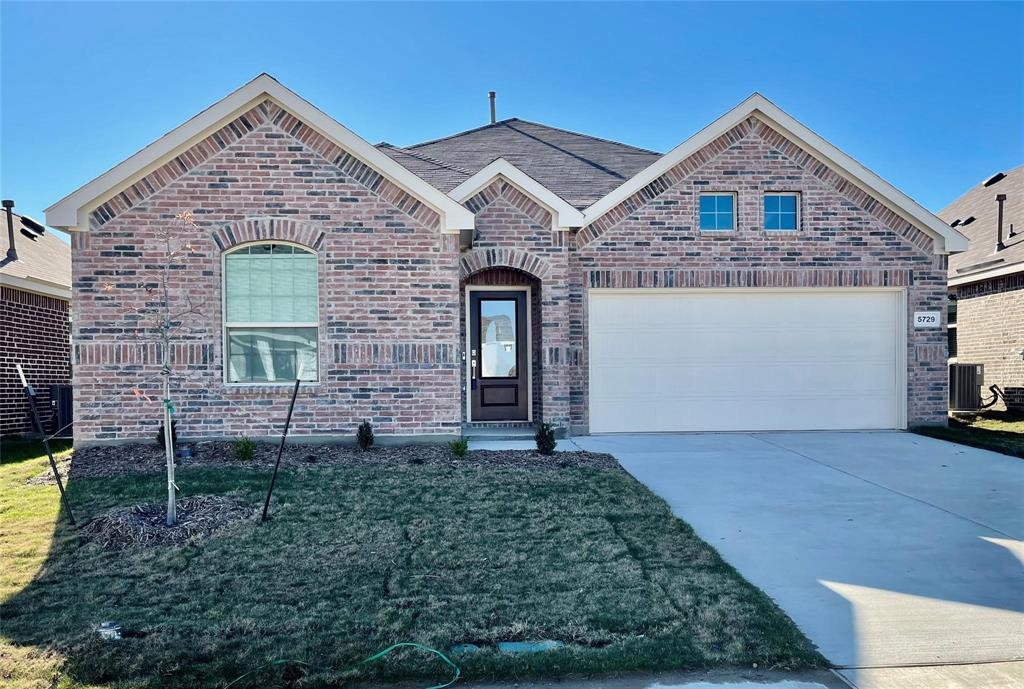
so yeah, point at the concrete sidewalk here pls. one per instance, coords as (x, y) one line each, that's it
(716, 679)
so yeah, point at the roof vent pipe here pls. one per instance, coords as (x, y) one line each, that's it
(490, 96)
(12, 253)
(999, 222)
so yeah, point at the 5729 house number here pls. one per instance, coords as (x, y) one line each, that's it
(927, 319)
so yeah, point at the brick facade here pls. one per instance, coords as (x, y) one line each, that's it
(392, 311)
(389, 294)
(36, 334)
(845, 240)
(990, 331)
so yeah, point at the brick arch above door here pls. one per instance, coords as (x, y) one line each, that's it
(477, 260)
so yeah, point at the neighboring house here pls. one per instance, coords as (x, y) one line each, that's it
(754, 277)
(35, 296)
(986, 284)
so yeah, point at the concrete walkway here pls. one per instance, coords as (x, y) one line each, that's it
(888, 549)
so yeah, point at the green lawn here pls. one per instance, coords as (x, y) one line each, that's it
(357, 559)
(998, 431)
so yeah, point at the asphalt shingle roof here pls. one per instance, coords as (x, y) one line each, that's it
(579, 168)
(46, 257)
(980, 204)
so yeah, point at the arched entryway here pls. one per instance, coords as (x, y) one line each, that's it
(501, 325)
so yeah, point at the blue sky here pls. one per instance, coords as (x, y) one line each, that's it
(929, 96)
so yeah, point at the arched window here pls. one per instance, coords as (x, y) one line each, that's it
(270, 313)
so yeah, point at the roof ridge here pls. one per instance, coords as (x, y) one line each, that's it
(577, 156)
(536, 124)
(462, 133)
(424, 157)
(587, 136)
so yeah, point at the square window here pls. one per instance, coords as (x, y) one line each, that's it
(781, 212)
(717, 212)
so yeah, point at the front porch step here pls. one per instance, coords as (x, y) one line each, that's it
(501, 430)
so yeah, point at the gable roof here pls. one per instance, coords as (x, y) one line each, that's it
(563, 215)
(576, 167)
(72, 211)
(43, 265)
(981, 260)
(946, 239)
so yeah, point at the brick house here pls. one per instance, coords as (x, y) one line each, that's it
(753, 277)
(35, 300)
(986, 284)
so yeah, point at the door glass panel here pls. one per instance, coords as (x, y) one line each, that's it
(498, 338)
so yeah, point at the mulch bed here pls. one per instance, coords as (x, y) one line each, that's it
(148, 458)
(143, 526)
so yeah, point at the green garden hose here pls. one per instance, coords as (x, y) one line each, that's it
(456, 672)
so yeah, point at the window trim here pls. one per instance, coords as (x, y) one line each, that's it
(225, 325)
(799, 215)
(735, 210)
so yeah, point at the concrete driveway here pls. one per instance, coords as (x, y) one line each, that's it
(889, 550)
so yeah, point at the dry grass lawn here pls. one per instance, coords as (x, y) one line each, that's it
(357, 559)
(998, 431)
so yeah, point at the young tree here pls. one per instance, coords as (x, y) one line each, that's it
(163, 318)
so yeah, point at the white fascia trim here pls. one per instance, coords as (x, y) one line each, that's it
(947, 239)
(563, 215)
(44, 287)
(72, 212)
(998, 271)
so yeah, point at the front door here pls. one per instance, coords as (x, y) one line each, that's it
(499, 355)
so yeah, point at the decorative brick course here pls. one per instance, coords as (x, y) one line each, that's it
(36, 334)
(265, 113)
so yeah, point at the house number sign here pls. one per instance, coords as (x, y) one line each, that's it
(927, 319)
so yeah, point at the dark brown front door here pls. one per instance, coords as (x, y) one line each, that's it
(499, 355)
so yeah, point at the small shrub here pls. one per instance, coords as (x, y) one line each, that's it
(174, 435)
(245, 449)
(364, 436)
(546, 439)
(459, 447)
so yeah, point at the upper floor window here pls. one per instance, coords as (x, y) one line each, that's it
(781, 211)
(270, 313)
(717, 212)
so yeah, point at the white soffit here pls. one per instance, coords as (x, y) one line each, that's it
(947, 239)
(986, 274)
(563, 215)
(45, 287)
(72, 212)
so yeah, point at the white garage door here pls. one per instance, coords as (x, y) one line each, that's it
(693, 360)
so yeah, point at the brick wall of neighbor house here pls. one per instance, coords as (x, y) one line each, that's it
(389, 291)
(36, 334)
(515, 232)
(846, 240)
(990, 331)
